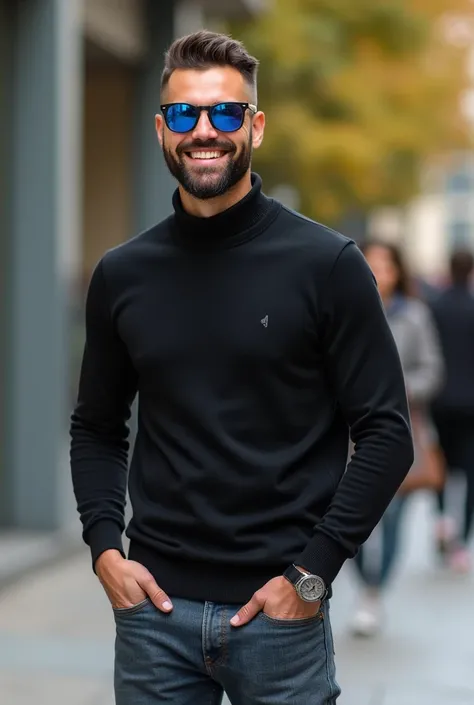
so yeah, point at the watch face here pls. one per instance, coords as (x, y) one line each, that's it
(312, 589)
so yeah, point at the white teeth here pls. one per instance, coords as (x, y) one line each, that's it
(206, 155)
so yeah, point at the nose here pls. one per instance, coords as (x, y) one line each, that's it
(204, 130)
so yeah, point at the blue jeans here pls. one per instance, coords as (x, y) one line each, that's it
(192, 655)
(376, 569)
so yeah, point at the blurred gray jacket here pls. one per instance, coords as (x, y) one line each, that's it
(419, 348)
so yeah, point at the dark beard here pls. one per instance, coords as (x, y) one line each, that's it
(198, 185)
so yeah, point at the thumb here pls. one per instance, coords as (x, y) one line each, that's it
(159, 598)
(248, 611)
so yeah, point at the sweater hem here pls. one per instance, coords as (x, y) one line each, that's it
(201, 580)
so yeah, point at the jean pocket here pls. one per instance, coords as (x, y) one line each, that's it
(314, 619)
(125, 611)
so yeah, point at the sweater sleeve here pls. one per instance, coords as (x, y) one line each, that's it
(99, 430)
(365, 373)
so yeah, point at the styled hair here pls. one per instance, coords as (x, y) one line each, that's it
(404, 285)
(203, 50)
(461, 266)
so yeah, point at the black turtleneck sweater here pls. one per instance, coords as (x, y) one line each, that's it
(255, 339)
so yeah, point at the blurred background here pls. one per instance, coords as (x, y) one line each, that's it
(370, 118)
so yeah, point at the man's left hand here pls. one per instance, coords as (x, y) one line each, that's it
(277, 599)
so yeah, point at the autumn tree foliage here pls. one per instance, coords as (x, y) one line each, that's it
(358, 94)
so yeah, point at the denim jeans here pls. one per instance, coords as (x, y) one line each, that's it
(192, 655)
(375, 567)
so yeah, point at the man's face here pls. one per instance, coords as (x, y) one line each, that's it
(205, 161)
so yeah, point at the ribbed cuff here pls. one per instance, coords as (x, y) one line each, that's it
(103, 535)
(322, 556)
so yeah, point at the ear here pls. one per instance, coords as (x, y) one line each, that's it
(159, 126)
(258, 128)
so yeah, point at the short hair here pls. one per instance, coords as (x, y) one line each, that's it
(461, 266)
(203, 50)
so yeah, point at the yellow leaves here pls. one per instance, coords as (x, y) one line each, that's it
(342, 145)
(357, 94)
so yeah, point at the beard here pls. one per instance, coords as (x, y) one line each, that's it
(203, 183)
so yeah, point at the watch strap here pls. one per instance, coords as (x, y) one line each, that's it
(292, 574)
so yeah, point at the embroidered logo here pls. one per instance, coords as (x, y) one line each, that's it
(264, 322)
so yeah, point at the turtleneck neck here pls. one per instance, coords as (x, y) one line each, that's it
(233, 226)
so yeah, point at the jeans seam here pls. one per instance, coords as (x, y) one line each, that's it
(293, 622)
(223, 656)
(131, 610)
(205, 633)
(215, 694)
(326, 627)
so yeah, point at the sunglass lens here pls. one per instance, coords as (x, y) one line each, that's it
(181, 117)
(227, 117)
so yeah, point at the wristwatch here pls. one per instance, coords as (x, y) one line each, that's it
(309, 587)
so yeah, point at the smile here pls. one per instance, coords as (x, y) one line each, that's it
(215, 154)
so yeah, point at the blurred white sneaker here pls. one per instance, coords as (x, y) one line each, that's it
(368, 618)
(460, 560)
(445, 533)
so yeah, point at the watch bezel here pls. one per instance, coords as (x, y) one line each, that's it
(306, 578)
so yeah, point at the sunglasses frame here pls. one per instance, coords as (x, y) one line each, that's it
(207, 108)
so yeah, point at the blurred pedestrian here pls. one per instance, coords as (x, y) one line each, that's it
(454, 406)
(425, 290)
(417, 342)
(254, 338)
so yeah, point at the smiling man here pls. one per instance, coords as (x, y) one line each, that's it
(209, 155)
(257, 343)
(205, 163)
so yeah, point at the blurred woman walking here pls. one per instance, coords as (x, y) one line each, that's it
(417, 341)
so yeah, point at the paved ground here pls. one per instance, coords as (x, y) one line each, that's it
(56, 635)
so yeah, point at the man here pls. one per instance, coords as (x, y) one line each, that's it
(453, 409)
(255, 338)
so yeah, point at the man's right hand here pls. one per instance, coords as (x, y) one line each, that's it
(127, 583)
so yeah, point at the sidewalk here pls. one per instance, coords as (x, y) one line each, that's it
(22, 552)
(57, 632)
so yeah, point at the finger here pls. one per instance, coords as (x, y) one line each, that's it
(158, 596)
(248, 611)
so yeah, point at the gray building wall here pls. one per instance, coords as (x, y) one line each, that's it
(6, 51)
(44, 161)
(41, 87)
(41, 62)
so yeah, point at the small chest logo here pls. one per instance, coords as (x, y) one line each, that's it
(264, 322)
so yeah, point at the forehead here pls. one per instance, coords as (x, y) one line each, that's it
(381, 254)
(205, 87)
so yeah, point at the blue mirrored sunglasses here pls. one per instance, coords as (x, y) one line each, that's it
(224, 117)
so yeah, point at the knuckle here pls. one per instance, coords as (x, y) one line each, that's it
(157, 594)
(147, 579)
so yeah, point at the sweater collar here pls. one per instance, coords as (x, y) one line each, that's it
(239, 223)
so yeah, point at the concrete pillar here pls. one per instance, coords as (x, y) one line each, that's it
(153, 185)
(45, 231)
(6, 55)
